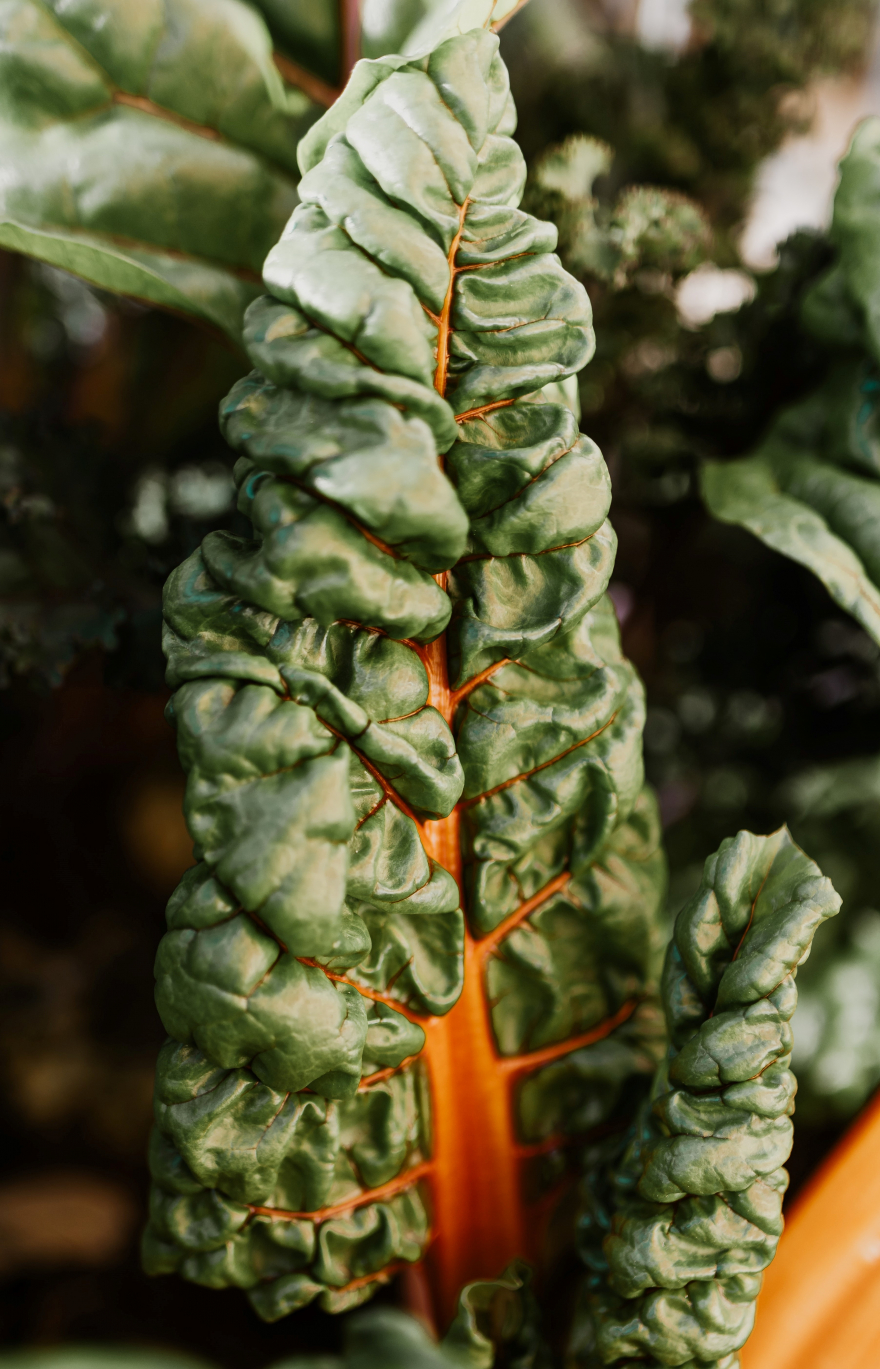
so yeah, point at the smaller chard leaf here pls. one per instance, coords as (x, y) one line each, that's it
(152, 153)
(691, 1214)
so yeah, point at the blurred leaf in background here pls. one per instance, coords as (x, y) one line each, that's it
(100, 1357)
(119, 166)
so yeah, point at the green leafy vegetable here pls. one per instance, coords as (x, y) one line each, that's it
(691, 1214)
(353, 1071)
(403, 692)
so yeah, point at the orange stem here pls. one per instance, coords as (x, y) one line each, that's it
(478, 1214)
(483, 409)
(381, 1075)
(464, 690)
(515, 779)
(442, 372)
(386, 786)
(373, 994)
(122, 97)
(475, 1180)
(498, 24)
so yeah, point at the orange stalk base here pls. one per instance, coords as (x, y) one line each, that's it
(475, 1180)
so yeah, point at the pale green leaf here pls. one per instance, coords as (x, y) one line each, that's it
(150, 148)
(453, 17)
(748, 493)
(855, 224)
(186, 285)
(811, 490)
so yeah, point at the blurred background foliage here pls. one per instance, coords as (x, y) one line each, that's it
(646, 128)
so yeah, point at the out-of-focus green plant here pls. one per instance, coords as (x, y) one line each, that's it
(812, 488)
(693, 123)
(665, 395)
(647, 229)
(697, 120)
(151, 148)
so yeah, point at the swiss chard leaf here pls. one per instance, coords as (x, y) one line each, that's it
(333, 1055)
(680, 1230)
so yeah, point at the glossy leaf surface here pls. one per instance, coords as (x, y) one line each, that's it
(692, 1212)
(355, 1070)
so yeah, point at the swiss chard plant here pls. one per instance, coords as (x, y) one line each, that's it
(412, 983)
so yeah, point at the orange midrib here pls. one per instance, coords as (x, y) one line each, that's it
(478, 1220)
(478, 1217)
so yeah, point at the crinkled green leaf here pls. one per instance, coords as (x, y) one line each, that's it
(694, 1210)
(583, 953)
(320, 941)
